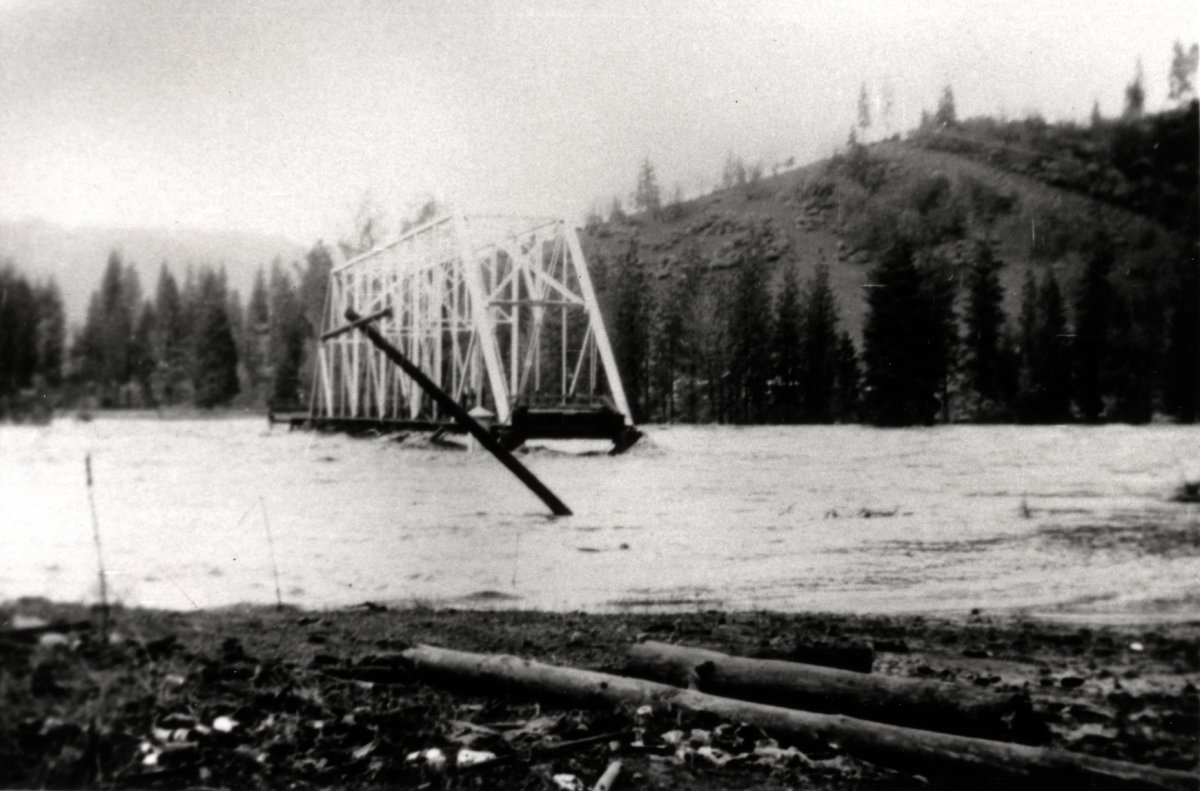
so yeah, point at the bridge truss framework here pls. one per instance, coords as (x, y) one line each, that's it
(499, 312)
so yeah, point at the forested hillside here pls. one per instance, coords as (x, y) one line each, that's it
(976, 270)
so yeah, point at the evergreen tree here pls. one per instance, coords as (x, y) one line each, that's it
(1135, 95)
(285, 343)
(18, 337)
(647, 198)
(189, 313)
(983, 343)
(708, 325)
(108, 329)
(1051, 378)
(1182, 381)
(171, 353)
(734, 174)
(671, 350)
(819, 348)
(314, 283)
(749, 331)
(141, 351)
(864, 110)
(1133, 356)
(632, 330)
(946, 115)
(255, 332)
(616, 214)
(214, 376)
(907, 341)
(889, 104)
(1027, 327)
(237, 325)
(1093, 324)
(1182, 80)
(937, 326)
(849, 376)
(786, 354)
(51, 332)
(688, 292)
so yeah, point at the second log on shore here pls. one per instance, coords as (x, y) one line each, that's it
(915, 703)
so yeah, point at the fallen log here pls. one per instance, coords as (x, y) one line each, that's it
(919, 751)
(916, 703)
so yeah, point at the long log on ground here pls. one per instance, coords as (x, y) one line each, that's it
(922, 752)
(916, 703)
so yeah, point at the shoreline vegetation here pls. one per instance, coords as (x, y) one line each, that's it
(283, 697)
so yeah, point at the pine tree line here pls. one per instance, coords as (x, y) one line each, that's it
(187, 343)
(32, 344)
(721, 345)
(938, 344)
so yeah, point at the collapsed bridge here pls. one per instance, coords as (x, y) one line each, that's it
(499, 312)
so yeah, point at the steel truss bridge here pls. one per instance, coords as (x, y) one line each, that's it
(499, 312)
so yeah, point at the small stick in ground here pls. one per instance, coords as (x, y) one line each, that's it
(87, 463)
(609, 778)
(271, 547)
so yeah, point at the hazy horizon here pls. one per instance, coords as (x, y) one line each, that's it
(278, 118)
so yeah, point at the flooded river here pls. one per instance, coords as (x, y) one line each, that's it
(1069, 520)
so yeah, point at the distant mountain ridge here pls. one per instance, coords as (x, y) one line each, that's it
(75, 257)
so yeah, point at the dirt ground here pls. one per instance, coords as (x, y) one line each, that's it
(257, 697)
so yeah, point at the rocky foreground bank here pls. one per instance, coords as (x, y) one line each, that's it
(258, 697)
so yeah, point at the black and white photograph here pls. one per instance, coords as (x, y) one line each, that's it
(599, 395)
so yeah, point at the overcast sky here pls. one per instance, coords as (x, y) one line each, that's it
(281, 116)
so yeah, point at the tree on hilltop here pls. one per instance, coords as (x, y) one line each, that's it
(647, 198)
(1135, 95)
(946, 114)
(734, 174)
(1182, 80)
(864, 109)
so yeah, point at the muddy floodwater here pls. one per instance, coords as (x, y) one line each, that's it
(1067, 520)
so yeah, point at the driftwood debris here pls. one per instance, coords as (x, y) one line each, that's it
(609, 779)
(915, 703)
(924, 752)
